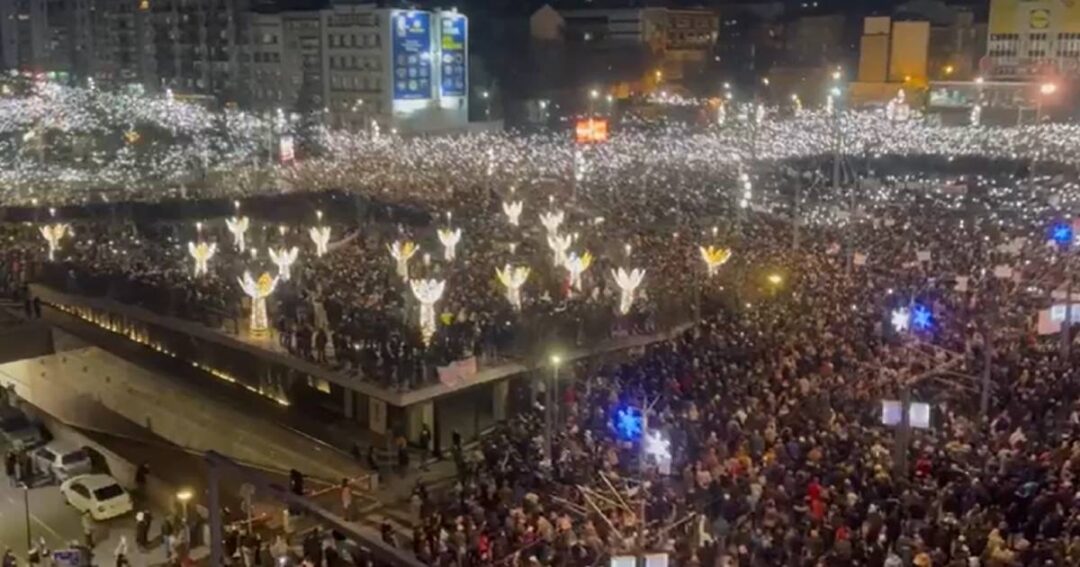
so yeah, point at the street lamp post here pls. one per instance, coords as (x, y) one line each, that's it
(593, 95)
(26, 510)
(550, 411)
(1045, 90)
(184, 496)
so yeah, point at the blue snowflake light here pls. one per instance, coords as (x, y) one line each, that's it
(628, 424)
(1062, 234)
(921, 318)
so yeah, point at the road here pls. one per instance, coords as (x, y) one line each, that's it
(52, 519)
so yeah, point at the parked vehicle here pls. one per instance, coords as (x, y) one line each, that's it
(62, 460)
(17, 431)
(98, 494)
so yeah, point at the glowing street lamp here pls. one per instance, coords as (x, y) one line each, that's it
(320, 235)
(53, 233)
(449, 239)
(184, 496)
(1048, 88)
(628, 283)
(238, 227)
(714, 258)
(402, 252)
(202, 253)
(258, 291)
(577, 265)
(512, 210)
(427, 292)
(284, 259)
(552, 221)
(775, 279)
(513, 278)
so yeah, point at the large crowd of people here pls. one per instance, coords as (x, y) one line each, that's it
(770, 402)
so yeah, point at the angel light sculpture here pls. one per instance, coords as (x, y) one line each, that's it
(512, 210)
(320, 235)
(714, 258)
(258, 291)
(559, 244)
(52, 234)
(513, 278)
(238, 227)
(202, 253)
(427, 292)
(577, 265)
(401, 252)
(449, 239)
(628, 283)
(552, 221)
(284, 259)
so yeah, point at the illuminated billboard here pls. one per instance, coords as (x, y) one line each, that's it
(411, 55)
(591, 131)
(453, 56)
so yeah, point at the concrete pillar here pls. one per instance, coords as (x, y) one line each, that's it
(500, 397)
(416, 416)
(377, 415)
(350, 400)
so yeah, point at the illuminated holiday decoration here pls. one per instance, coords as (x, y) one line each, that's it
(402, 252)
(628, 423)
(921, 318)
(901, 319)
(202, 253)
(657, 447)
(513, 278)
(320, 235)
(552, 221)
(427, 292)
(976, 114)
(449, 239)
(258, 291)
(512, 210)
(284, 259)
(1062, 234)
(830, 104)
(759, 114)
(238, 227)
(559, 244)
(714, 258)
(628, 283)
(577, 265)
(52, 234)
(721, 114)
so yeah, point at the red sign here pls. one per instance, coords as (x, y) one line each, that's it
(591, 131)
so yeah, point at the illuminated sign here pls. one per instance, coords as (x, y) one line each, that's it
(411, 53)
(591, 131)
(453, 58)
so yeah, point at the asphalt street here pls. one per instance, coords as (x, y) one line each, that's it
(51, 518)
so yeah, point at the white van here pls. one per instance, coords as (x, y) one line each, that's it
(62, 460)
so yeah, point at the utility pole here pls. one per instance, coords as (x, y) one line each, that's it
(1066, 325)
(988, 356)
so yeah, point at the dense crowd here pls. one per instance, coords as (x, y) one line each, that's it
(773, 414)
(771, 401)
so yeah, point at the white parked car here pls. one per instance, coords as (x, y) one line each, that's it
(98, 494)
(62, 460)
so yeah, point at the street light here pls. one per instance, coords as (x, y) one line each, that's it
(1048, 88)
(1045, 90)
(184, 496)
(775, 279)
(949, 70)
(550, 409)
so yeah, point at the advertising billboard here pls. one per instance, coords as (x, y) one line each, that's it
(591, 131)
(454, 71)
(411, 55)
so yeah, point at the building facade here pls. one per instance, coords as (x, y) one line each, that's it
(1032, 39)
(356, 63)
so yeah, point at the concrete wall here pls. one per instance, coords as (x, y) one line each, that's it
(78, 386)
(910, 49)
(25, 340)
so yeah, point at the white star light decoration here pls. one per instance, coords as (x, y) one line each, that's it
(901, 319)
(657, 447)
